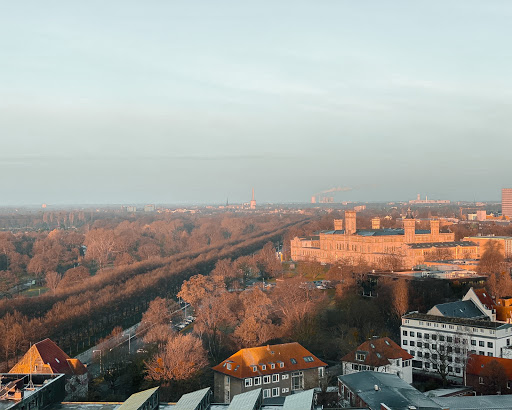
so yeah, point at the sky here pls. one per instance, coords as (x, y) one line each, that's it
(167, 101)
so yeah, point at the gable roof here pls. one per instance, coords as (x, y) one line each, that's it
(285, 357)
(476, 364)
(463, 309)
(485, 298)
(137, 400)
(378, 352)
(54, 358)
(376, 388)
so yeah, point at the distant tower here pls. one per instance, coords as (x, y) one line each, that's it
(506, 202)
(313, 199)
(253, 201)
(409, 227)
(350, 222)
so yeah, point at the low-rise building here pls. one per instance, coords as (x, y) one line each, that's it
(45, 357)
(279, 370)
(379, 355)
(489, 375)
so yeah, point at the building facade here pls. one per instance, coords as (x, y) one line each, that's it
(279, 370)
(505, 241)
(375, 246)
(379, 355)
(506, 202)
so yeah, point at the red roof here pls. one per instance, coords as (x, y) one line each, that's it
(53, 357)
(377, 352)
(477, 363)
(485, 298)
(255, 361)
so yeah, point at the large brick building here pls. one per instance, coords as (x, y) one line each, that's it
(377, 245)
(279, 370)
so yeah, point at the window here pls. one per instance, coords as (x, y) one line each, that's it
(427, 336)
(284, 377)
(321, 372)
(257, 381)
(418, 334)
(426, 345)
(412, 334)
(481, 353)
(508, 342)
(275, 378)
(419, 344)
(266, 393)
(285, 390)
(263, 366)
(405, 342)
(293, 361)
(450, 369)
(254, 368)
(434, 337)
(481, 380)
(457, 350)
(449, 349)
(489, 345)
(420, 354)
(441, 338)
(434, 356)
(449, 339)
(434, 365)
(489, 354)
(404, 332)
(272, 365)
(281, 364)
(481, 343)
(248, 382)
(412, 343)
(228, 366)
(441, 348)
(457, 370)
(509, 384)
(412, 352)
(359, 356)
(297, 381)
(266, 379)
(275, 391)
(427, 365)
(427, 355)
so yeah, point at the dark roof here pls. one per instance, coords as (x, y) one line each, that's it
(377, 352)
(391, 390)
(486, 324)
(427, 245)
(463, 309)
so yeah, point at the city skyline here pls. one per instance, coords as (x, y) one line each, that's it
(179, 103)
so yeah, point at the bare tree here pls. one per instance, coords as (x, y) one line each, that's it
(52, 280)
(178, 359)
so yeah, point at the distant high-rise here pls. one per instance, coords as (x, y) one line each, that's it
(253, 201)
(506, 201)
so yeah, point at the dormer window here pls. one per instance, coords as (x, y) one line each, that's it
(228, 366)
(281, 364)
(263, 367)
(360, 356)
(272, 365)
(254, 368)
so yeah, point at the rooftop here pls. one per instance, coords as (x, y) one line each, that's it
(377, 352)
(460, 309)
(191, 401)
(474, 402)
(269, 359)
(486, 324)
(427, 245)
(375, 388)
(477, 364)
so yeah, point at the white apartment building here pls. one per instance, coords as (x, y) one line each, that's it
(435, 340)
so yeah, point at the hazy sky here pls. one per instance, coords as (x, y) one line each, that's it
(195, 101)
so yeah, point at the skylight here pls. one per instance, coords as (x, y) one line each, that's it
(293, 361)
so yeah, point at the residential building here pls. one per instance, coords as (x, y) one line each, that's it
(479, 371)
(45, 357)
(506, 202)
(378, 245)
(279, 370)
(380, 355)
(378, 391)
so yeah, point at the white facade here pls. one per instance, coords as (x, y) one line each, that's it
(402, 368)
(433, 338)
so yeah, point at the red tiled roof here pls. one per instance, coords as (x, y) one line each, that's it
(53, 357)
(378, 352)
(485, 298)
(476, 364)
(286, 357)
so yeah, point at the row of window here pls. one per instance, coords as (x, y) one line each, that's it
(274, 392)
(449, 349)
(274, 378)
(453, 327)
(427, 365)
(448, 339)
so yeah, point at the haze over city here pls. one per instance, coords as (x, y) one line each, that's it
(179, 102)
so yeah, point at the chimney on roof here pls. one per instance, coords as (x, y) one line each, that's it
(376, 387)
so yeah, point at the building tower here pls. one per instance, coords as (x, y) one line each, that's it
(350, 222)
(409, 227)
(434, 230)
(506, 202)
(253, 201)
